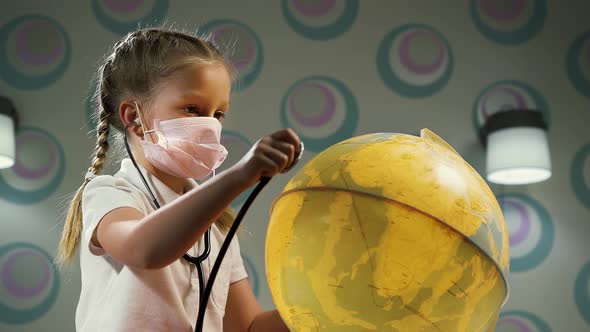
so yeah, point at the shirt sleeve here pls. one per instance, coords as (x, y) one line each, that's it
(238, 271)
(102, 195)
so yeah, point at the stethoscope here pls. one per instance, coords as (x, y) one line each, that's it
(205, 291)
(196, 261)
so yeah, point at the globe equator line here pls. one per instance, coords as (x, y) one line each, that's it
(329, 188)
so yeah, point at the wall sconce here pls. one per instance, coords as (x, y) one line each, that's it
(517, 149)
(8, 123)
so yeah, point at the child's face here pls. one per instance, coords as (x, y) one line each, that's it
(199, 90)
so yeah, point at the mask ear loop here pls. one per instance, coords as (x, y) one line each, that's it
(141, 122)
(138, 121)
(130, 153)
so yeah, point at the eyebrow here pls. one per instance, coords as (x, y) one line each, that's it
(191, 95)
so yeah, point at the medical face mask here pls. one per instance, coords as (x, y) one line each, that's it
(188, 147)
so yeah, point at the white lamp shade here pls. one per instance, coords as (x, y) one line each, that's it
(518, 155)
(7, 141)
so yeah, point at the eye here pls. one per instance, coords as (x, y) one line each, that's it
(192, 109)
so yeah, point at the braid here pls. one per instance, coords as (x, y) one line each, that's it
(135, 67)
(73, 226)
(102, 142)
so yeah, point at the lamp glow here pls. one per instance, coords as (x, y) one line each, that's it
(8, 124)
(517, 148)
(7, 142)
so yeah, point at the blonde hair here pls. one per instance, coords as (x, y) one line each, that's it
(137, 65)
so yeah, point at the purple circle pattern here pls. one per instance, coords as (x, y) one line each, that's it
(515, 94)
(317, 120)
(123, 6)
(505, 95)
(319, 9)
(406, 57)
(13, 286)
(489, 8)
(23, 171)
(24, 41)
(248, 47)
(522, 232)
(522, 326)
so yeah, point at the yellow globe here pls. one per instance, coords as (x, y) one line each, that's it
(388, 232)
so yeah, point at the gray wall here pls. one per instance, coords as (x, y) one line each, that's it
(494, 54)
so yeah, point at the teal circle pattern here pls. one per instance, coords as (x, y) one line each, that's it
(546, 240)
(27, 82)
(154, 17)
(330, 31)
(243, 81)
(540, 325)
(537, 97)
(17, 196)
(89, 111)
(350, 120)
(396, 83)
(575, 74)
(518, 36)
(578, 183)
(10, 315)
(582, 293)
(238, 201)
(91, 122)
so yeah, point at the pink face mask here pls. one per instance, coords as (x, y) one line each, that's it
(187, 147)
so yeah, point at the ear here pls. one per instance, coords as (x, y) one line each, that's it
(128, 113)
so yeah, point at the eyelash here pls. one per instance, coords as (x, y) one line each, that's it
(218, 115)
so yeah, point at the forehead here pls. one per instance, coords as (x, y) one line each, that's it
(212, 80)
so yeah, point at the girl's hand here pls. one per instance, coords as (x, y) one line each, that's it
(270, 155)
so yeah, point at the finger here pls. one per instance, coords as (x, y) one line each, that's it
(286, 148)
(290, 136)
(269, 166)
(287, 135)
(280, 159)
(298, 144)
(296, 160)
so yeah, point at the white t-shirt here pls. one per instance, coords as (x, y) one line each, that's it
(116, 297)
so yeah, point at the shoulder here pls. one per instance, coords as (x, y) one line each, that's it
(107, 188)
(102, 181)
(110, 182)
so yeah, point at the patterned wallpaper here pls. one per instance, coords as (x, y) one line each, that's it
(330, 69)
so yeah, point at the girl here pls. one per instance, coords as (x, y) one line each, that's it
(168, 93)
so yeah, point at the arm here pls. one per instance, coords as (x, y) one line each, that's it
(243, 313)
(162, 237)
(158, 239)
